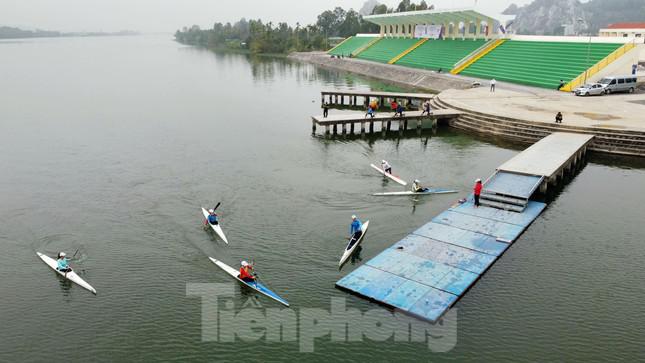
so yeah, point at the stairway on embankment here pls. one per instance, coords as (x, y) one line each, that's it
(624, 142)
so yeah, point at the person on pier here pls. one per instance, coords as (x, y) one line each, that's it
(387, 168)
(477, 191)
(370, 112)
(426, 108)
(399, 110)
(325, 109)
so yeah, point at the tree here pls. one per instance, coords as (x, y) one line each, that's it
(379, 9)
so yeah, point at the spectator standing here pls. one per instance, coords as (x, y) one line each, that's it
(493, 82)
(477, 191)
(558, 118)
(325, 109)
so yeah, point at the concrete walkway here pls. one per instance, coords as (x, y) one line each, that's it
(611, 112)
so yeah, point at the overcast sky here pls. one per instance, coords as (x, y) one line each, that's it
(169, 15)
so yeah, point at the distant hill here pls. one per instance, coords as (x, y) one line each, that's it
(7, 32)
(547, 17)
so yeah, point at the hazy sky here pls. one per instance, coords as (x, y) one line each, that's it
(169, 15)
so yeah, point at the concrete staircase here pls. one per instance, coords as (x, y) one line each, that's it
(615, 141)
(494, 200)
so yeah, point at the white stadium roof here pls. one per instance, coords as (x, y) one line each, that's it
(439, 16)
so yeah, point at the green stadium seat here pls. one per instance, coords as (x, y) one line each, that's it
(350, 45)
(436, 54)
(541, 64)
(386, 49)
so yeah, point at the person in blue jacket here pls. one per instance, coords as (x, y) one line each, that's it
(355, 227)
(212, 217)
(62, 263)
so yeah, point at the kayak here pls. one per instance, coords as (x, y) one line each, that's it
(216, 227)
(429, 191)
(71, 276)
(257, 286)
(352, 244)
(391, 176)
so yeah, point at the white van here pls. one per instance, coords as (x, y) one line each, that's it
(619, 84)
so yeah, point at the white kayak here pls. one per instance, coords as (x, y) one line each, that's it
(216, 227)
(257, 286)
(352, 244)
(428, 191)
(71, 276)
(391, 176)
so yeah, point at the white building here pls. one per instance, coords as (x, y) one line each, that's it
(626, 30)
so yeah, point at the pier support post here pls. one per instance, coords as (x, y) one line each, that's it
(383, 129)
(327, 130)
(335, 99)
(344, 128)
(389, 125)
(363, 128)
(313, 127)
(354, 101)
(419, 124)
(335, 129)
(351, 128)
(371, 127)
(322, 98)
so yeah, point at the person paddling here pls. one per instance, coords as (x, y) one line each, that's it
(387, 168)
(62, 263)
(417, 188)
(355, 229)
(246, 272)
(212, 217)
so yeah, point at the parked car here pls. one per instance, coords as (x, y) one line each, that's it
(619, 84)
(594, 89)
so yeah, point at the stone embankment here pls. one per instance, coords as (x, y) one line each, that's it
(405, 76)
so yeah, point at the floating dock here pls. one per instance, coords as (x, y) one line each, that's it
(426, 272)
(386, 120)
(356, 98)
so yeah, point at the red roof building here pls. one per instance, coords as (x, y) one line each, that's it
(625, 30)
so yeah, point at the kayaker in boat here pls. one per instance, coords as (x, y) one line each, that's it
(212, 217)
(246, 272)
(355, 229)
(62, 263)
(417, 188)
(386, 167)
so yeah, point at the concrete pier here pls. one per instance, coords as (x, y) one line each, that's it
(384, 120)
(428, 271)
(358, 98)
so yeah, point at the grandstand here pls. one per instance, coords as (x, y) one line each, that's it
(387, 48)
(440, 54)
(350, 45)
(465, 41)
(541, 64)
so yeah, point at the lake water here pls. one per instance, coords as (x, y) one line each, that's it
(111, 145)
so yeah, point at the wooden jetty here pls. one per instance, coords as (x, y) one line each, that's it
(356, 98)
(426, 272)
(386, 120)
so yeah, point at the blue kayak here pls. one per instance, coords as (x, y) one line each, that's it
(257, 286)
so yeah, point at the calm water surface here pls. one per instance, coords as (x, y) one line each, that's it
(111, 145)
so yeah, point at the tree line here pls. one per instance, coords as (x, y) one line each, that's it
(257, 36)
